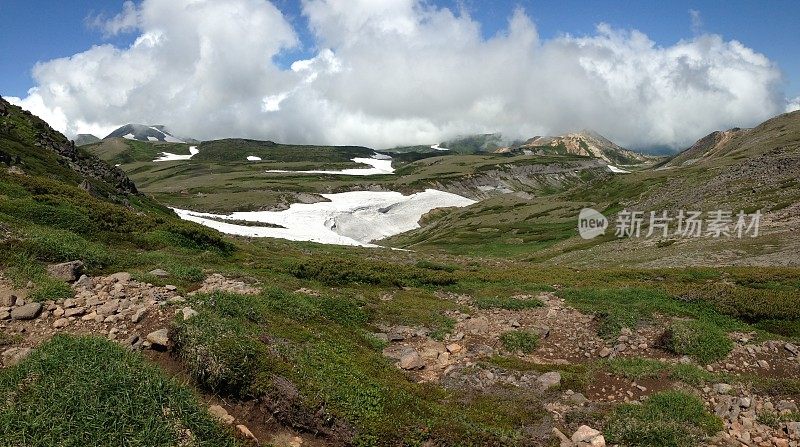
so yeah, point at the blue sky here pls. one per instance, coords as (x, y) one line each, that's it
(394, 72)
(40, 30)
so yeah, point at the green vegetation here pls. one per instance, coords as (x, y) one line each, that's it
(89, 391)
(700, 340)
(666, 419)
(525, 342)
(637, 368)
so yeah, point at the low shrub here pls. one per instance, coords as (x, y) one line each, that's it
(523, 341)
(665, 419)
(700, 340)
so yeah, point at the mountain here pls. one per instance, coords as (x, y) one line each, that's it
(586, 143)
(737, 143)
(30, 146)
(83, 139)
(142, 132)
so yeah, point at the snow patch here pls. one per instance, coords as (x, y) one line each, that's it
(253, 158)
(167, 156)
(129, 136)
(381, 164)
(349, 218)
(617, 170)
(439, 148)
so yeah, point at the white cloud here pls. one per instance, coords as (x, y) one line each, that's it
(793, 105)
(399, 72)
(697, 21)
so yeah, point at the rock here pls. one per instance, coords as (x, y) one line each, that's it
(69, 303)
(159, 337)
(625, 332)
(89, 316)
(785, 405)
(159, 273)
(578, 399)
(562, 438)
(26, 312)
(7, 299)
(171, 288)
(763, 364)
(792, 348)
(477, 326)
(109, 308)
(121, 277)
(246, 432)
(60, 323)
(587, 436)
(454, 348)
(5, 315)
(605, 352)
(74, 312)
(395, 336)
(188, 313)
(722, 388)
(66, 271)
(221, 414)
(58, 311)
(549, 380)
(84, 282)
(13, 356)
(411, 361)
(744, 402)
(138, 315)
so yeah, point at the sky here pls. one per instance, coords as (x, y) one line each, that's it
(646, 74)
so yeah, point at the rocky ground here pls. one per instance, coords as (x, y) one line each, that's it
(569, 337)
(138, 315)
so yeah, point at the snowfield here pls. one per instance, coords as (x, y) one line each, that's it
(349, 218)
(381, 164)
(439, 148)
(167, 156)
(618, 170)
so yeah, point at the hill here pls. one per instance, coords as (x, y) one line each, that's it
(142, 132)
(585, 143)
(84, 139)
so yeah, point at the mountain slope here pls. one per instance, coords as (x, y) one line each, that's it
(142, 132)
(84, 139)
(585, 143)
(32, 147)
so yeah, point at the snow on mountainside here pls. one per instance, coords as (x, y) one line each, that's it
(143, 132)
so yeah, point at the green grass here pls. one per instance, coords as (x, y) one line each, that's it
(525, 342)
(700, 340)
(637, 368)
(629, 307)
(666, 419)
(89, 391)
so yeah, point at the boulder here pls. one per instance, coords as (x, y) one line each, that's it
(246, 433)
(722, 388)
(221, 414)
(411, 361)
(549, 380)
(109, 308)
(159, 273)
(587, 436)
(60, 323)
(188, 313)
(27, 312)
(13, 356)
(477, 325)
(66, 271)
(120, 277)
(159, 337)
(7, 299)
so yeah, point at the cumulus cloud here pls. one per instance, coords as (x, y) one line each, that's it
(793, 105)
(390, 72)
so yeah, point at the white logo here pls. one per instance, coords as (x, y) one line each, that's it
(591, 223)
